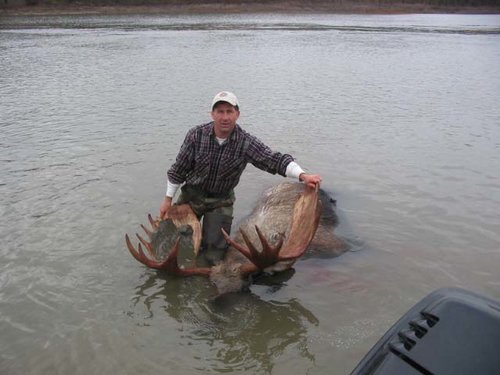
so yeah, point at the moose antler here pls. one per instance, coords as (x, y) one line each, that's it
(305, 220)
(179, 215)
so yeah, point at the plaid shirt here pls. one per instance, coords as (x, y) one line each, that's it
(216, 169)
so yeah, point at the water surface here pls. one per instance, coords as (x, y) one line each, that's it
(399, 114)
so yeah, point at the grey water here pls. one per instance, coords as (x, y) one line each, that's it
(400, 115)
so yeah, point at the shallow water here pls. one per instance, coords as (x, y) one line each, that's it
(399, 114)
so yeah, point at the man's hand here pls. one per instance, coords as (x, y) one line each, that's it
(165, 207)
(311, 180)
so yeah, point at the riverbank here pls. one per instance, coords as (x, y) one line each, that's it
(230, 7)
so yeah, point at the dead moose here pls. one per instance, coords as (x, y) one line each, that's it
(287, 220)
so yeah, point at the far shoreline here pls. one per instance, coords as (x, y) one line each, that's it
(240, 7)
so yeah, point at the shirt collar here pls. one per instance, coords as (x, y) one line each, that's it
(234, 137)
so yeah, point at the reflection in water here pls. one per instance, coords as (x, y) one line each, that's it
(241, 331)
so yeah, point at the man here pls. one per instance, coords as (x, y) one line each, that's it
(210, 163)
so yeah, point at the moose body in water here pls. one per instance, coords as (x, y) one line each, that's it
(289, 221)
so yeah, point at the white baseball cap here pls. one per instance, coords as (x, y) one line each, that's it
(225, 96)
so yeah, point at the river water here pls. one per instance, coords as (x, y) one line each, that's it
(399, 114)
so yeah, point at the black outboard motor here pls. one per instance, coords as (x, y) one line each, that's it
(450, 332)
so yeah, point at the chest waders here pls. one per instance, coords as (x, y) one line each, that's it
(217, 214)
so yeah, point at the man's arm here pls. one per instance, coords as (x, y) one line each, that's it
(262, 157)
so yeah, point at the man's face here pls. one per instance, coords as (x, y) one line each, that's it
(224, 116)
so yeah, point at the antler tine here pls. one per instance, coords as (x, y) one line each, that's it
(254, 253)
(148, 245)
(153, 222)
(133, 251)
(141, 252)
(263, 240)
(148, 232)
(237, 246)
